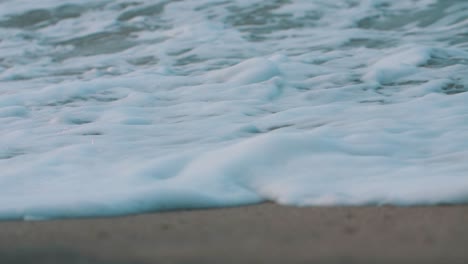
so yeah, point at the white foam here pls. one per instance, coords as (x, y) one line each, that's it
(127, 108)
(247, 72)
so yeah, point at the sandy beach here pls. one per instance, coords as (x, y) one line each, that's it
(266, 233)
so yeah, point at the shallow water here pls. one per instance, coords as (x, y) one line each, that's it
(115, 107)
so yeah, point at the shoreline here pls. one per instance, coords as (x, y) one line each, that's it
(264, 233)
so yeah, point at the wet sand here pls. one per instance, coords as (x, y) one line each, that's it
(265, 233)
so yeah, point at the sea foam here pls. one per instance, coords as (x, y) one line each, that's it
(120, 107)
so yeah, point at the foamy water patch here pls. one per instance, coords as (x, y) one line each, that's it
(118, 107)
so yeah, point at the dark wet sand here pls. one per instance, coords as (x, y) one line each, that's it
(265, 233)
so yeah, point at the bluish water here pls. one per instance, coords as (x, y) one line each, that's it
(116, 107)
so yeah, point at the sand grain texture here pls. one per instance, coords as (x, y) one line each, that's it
(266, 233)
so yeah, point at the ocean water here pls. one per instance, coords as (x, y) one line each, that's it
(129, 106)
